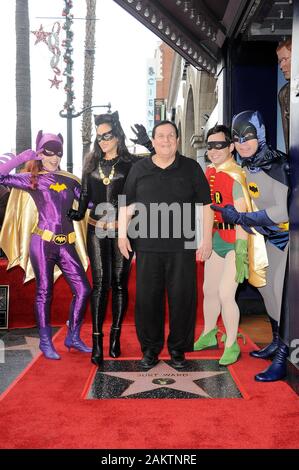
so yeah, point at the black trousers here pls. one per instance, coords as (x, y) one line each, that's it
(109, 268)
(158, 273)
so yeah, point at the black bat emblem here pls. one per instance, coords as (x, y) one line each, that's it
(253, 189)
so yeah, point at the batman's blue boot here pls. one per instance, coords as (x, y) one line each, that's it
(278, 369)
(269, 351)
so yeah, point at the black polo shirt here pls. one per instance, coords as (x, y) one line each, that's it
(178, 188)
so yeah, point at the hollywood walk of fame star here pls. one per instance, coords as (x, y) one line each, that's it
(41, 35)
(55, 82)
(32, 345)
(163, 375)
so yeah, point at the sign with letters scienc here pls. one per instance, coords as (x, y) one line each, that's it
(151, 95)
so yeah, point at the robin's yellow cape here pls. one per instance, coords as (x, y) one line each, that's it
(257, 254)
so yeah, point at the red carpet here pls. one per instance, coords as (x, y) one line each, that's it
(21, 297)
(45, 409)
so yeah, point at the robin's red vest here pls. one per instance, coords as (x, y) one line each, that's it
(221, 188)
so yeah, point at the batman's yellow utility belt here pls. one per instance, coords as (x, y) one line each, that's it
(58, 239)
(284, 226)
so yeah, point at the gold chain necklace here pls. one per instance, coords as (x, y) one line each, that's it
(106, 179)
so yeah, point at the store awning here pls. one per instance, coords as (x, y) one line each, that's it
(198, 29)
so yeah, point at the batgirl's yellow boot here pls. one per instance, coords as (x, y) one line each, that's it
(207, 341)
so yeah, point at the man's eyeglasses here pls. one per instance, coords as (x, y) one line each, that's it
(171, 136)
(106, 136)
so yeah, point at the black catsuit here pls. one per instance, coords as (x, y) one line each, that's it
(109, 268)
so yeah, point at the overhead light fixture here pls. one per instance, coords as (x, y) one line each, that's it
(185, 47)
(186, 6)
(160, 25)
(167, 31)
(173, 37)
(178, 43)
(192, 13)
(146, 13)
(130, 1)
(195, 55)
(154, 19)
(138, 6)
(190, 50)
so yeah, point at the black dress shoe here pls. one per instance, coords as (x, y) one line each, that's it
(149, 360)
(177, 359)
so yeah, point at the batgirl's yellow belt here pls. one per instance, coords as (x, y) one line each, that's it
(58, 239)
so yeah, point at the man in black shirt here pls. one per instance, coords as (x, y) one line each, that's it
(164, 189)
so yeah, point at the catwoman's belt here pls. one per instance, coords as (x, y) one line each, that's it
(58, 239)
(103, 224)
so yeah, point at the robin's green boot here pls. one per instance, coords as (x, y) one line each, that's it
(230, 355)
(207, 341)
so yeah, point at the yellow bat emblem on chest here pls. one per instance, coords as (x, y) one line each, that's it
(253, 190)
(58, 187)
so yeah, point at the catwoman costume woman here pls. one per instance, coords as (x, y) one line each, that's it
(102, 182)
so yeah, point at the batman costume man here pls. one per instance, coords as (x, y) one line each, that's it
(267, 179)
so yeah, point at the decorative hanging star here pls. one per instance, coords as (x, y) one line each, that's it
(55, 82)
(163, 375)
(41, 35)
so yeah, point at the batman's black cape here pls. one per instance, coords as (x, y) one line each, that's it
(273, 162)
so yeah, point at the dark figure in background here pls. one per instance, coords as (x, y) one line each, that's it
(104, 175)
(284, 55)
